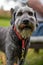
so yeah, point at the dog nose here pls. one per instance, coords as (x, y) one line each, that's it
(25, 21)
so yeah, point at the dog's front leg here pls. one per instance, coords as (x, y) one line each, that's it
(25, 53)
(10, 53)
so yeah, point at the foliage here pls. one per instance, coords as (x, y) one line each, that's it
(5, 14)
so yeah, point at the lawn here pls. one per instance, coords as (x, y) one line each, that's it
(4, 22)
(32, 58)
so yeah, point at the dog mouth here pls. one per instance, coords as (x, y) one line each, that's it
(29, 26)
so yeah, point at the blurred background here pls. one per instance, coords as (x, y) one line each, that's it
(5, 14)
(33, 57)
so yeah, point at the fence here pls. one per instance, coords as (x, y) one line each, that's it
(36, 42)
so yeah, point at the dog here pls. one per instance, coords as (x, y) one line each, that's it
(14, 40)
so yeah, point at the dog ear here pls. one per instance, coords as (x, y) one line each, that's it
(13, 13)
(13, 18)
(35, 15)
(11, 10)
(36, 19)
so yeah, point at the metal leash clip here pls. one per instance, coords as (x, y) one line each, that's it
(23, 50)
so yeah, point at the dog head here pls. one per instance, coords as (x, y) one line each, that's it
(25, 21)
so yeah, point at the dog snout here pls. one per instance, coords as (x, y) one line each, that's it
(26, 21)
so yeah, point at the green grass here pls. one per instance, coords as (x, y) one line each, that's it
(4, 22)
(33, 58)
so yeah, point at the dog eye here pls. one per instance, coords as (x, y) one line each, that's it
(19, 14)
(30, 13)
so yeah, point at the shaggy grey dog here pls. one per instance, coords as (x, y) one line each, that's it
(14, 41)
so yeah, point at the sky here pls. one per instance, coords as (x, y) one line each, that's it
(7, 5)
(10, 4)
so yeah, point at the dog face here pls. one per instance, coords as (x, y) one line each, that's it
(25, 21)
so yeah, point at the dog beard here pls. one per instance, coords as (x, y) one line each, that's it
(25, 33)
(26, 30)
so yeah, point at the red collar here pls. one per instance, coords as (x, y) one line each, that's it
(17, 33)
(20, 37)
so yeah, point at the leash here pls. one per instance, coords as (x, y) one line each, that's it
(23, 42)
(23, 49)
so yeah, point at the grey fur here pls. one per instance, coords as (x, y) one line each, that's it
(9, 41)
